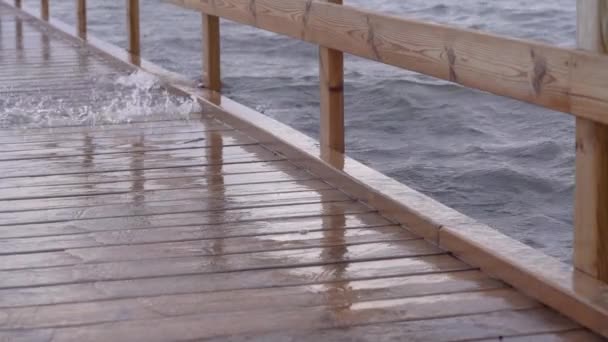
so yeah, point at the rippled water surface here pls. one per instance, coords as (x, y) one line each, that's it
(505, 163)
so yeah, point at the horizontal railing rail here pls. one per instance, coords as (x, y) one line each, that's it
(567, 80)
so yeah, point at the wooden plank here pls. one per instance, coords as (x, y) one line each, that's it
(558, 285)
(177, 122)
(265, 299)
(118, 149)
(123, 270)
(200, 219)
(148, 121)
(16, 83)
(110, 136)
(208, 248)
(92, 68)
(21, 84)
(87, 198)
(49, 54)
(87, 71)
(218, 282)
(201, 326)
(591, 195)
(307, 226)
(141, 161)
(80, 89)
(140, 206)
(48, 63)
(211, 52)
(45, 137)
(331, 81)
(561, 79)
(495, 326)
(81, 15)
(34, 45)
(48, 57)
(133, 27)
(128, 145)
(67, 90)
(43, 49)
(47, 66)
(568, 336)
(237, 186)
(22, 87)
(100, 133)
(151, 118)
(249, 170)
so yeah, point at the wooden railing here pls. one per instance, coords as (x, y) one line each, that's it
(566, 80)
(132, 7)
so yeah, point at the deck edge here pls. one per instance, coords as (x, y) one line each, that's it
(556, 284)
(550, 281)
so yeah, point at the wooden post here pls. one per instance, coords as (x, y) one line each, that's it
(18, 3)
(82, 18)
(44, 9)
(331, 78)
(19, 36)
(211, 52)
(591, 195)
(133, 26)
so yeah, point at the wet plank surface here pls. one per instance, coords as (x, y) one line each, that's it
(187, 229)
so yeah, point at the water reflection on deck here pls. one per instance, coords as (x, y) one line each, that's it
(166, 229)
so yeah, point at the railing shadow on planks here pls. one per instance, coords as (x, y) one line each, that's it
(572, 81)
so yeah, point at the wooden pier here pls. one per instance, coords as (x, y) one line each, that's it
(227, 225)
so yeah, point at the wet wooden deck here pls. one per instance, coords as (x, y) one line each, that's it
(170, 229)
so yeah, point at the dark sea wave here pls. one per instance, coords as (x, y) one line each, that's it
(503, 162)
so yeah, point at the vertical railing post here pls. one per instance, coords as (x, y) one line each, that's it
(18, 3)
(81, 13)
(211, 52)
(133, 26)
(331, 79)
(591, 195)
(44, 9)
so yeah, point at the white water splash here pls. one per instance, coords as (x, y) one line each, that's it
(113, 100)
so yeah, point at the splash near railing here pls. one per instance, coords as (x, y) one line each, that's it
(118, 99)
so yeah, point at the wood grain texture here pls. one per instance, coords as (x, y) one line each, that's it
(447, 267)
(294, 243)
(200, 326)
(249, 299)
(591, 194)
(211, 52)
(192, 204)
(565, 80)
(121, 233)
(168, 175)
(276, 233)
(577, 335)
(331, 82)
(497, 326)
